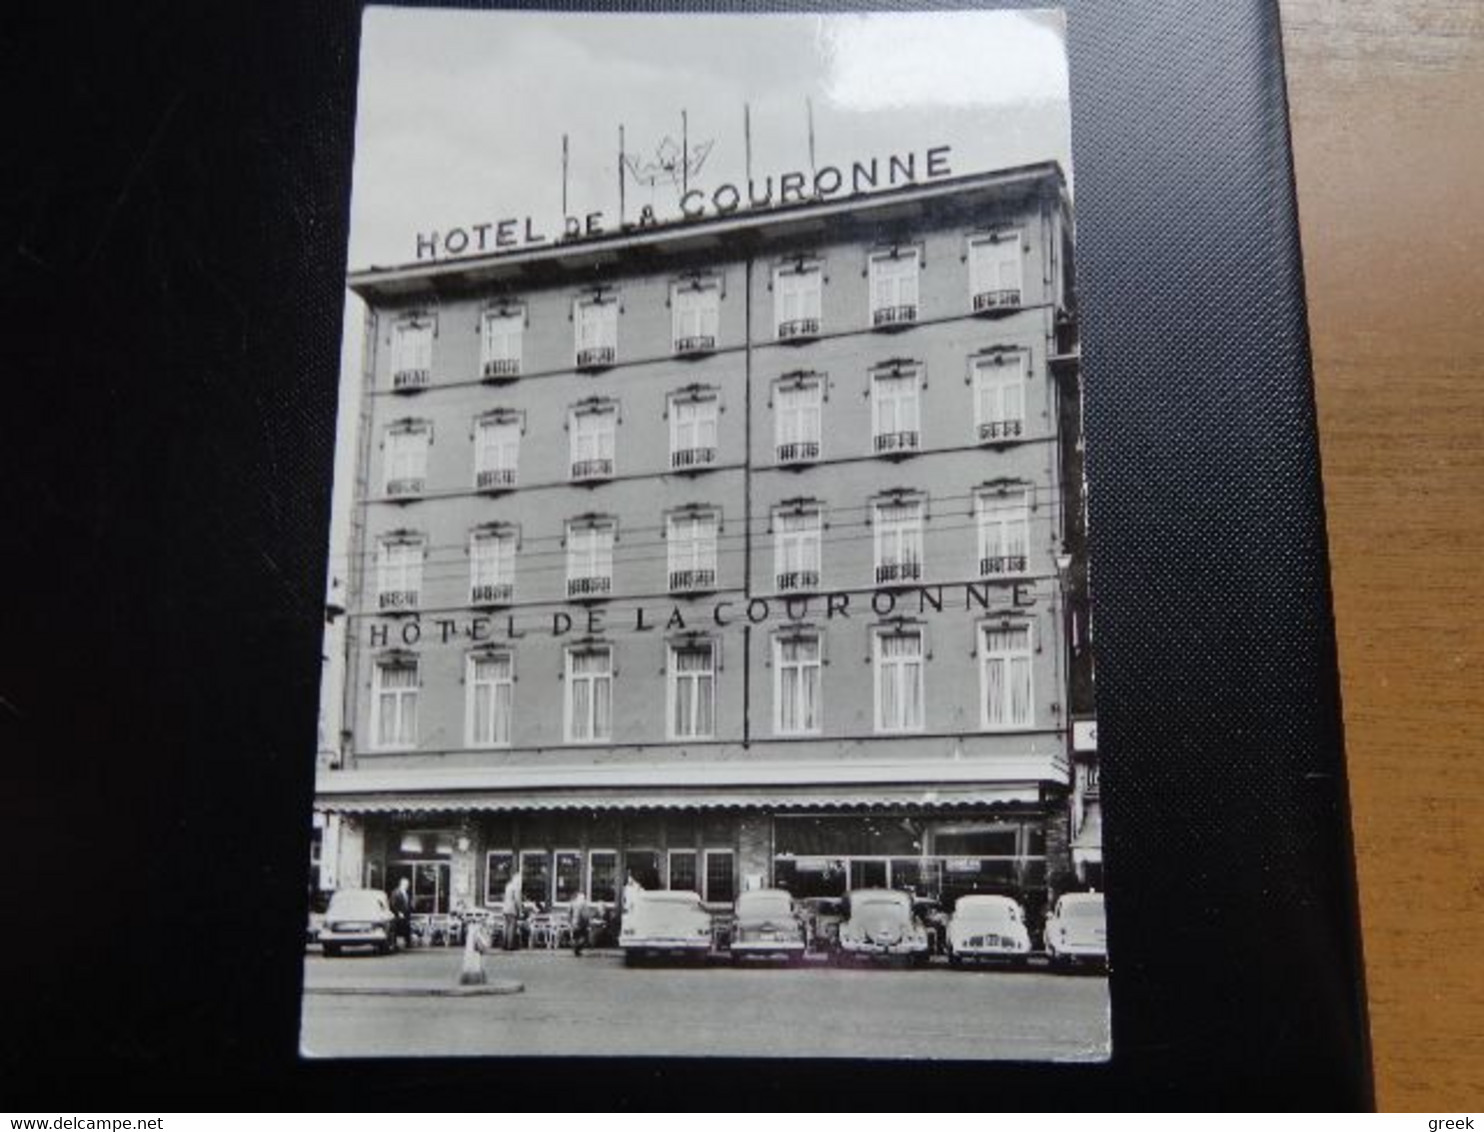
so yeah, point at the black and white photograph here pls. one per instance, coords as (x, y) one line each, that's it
(709, 658)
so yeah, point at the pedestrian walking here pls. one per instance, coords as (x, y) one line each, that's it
(401, 901)
(580, 914)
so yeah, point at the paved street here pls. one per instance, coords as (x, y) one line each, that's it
(595, 1005)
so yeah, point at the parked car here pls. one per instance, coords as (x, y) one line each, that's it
(318, 902)
(822, 916)
(357, 917)
(1077, 930)
(766, 925)
(665, 923)
(879, 924)
(988, 928)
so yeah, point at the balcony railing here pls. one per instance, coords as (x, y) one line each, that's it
(902, 315)
(700, 578)
(397, 599)
(692, 457)
(1000, 430)
(592, 357)
(888, 572)
(793, 580)
(1007, 299)
(798, 452)
(406, 485)
(796, 328)
(492, 479)
(491, 593)
(406, 380)
(598, 585)
(897, 441)
(1001, 564)
(695, 344)
(497, 368)
(597, 469)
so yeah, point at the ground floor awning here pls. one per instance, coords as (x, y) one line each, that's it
(791, 798)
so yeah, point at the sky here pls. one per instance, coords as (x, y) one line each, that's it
(461, 114)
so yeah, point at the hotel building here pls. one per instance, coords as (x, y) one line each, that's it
(738, 551)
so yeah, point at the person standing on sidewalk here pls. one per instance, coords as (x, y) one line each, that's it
(510, 912)
(402, 913)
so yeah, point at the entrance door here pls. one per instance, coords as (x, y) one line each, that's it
(430, 884)
(866, 872)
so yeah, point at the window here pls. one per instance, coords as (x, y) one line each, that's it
(597, 332)
(594, 437)
(691, 537)
(696, 310)
(602, 875)
(589, 558)
(798, 417)
(721, 870)
(399, 571)
(894, 412)
(999, 396)
(1005, 676)
(589, 694)
(568, 874)
(496, 451)
(899, 680)
(491, 697)
(796, 301)
(395, 699)
(499, 867)
(894, 288)
(500, 343)
(412, 354)
(491, 566)
(994, 271)
(898, 536)
(407, 457)
(1004, 532)
(535, 875)
(683, 876)
(693, 691)
(796, 548)
(693, 428)
(796, 667)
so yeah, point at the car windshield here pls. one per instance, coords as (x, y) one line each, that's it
(1083, 910)
(355, 904)
(764, 904)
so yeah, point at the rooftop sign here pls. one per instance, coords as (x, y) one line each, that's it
(827, 182)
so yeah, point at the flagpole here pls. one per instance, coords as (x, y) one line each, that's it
(565, 212)
(620, 177)
(747, 139)
(684, 153)
(809, 109)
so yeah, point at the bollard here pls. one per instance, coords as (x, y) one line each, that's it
(472, 973)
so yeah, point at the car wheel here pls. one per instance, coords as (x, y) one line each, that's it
(331, 950)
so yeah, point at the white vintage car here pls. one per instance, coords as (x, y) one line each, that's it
(765, 925)
(1077, 930)
(880, 925)
(988, 928)
(665, 923)
(357, 917)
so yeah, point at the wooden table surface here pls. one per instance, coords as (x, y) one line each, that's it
(1387, 106)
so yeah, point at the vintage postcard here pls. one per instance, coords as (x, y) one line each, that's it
(710, 668)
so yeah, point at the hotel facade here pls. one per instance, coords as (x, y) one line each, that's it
(740, 551)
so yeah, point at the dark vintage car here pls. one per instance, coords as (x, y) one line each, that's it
(357, 917)
(822, 917)
(879, 924)
(766, 925)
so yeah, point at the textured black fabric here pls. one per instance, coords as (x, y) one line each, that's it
(176, 217)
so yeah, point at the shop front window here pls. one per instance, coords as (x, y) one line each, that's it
(568, 875)
(535, 876)
(499, 868)
(721, 871)
(644, 866)
(429, 881)
(683, 870)
(602, 875)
